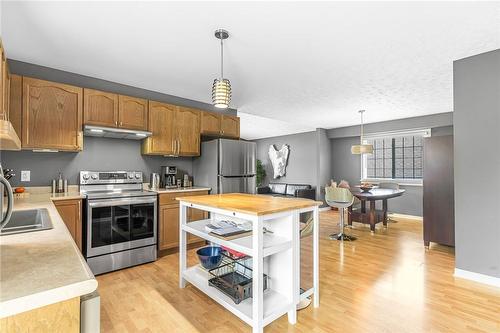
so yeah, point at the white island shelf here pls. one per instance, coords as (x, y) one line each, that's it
(275, 254)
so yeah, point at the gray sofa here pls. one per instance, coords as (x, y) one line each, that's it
(288, 190)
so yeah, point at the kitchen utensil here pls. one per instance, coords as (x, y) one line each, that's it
(154, 181)
(210, 256)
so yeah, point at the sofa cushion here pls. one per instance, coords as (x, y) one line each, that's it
(278, 188)
(290, 188)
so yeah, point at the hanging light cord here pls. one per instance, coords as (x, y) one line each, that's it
(362, 111)
(221, 58)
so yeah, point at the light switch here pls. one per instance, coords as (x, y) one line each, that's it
(25, 175)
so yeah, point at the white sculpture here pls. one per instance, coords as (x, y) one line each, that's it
(279, 159)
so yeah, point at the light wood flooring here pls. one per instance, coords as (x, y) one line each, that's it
(383, 282)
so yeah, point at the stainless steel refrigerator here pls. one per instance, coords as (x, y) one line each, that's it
(226, 166)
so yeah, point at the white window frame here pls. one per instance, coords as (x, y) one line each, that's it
(425, 132)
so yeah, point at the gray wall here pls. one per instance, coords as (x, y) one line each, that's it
(477, 163)
(324, 162)
(302, 167)
(348, 166)
(51, 74)
(98, 154)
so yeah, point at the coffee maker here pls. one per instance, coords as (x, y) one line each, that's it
(168, 174)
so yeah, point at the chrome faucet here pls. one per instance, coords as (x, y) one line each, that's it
(5, 185)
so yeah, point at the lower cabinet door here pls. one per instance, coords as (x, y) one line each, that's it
(168, 227)
(70, 211)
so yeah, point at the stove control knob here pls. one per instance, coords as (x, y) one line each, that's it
(94, 176)
(130, 175)
(86, 176)
(138, 175)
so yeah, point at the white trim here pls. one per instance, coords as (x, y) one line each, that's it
(425, 132)
(400, 181)
(477, 277)
(324, 209)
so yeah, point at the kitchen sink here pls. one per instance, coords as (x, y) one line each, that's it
(27, 221)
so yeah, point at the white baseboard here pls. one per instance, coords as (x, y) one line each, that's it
(477, 277)
(322, 209)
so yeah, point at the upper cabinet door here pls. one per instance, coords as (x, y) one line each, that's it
(3, 63)
(210, 123)
(161, 124)
(187, 123)
(230, 126)
(16, 102)
(100, 108)
(132, 113)
(52, 115)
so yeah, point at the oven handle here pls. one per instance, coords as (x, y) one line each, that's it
(121, 201)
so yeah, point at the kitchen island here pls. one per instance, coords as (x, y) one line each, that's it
(275, 252)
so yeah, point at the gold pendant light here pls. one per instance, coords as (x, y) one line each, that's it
(221, 89)
(362, 148)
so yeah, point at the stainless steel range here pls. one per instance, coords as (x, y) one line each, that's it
(121, 221)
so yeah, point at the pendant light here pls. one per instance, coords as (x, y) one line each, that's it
(221, 89)
(362, 148)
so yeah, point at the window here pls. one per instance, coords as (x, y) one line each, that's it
(396, 156)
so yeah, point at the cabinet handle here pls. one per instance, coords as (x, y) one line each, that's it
(173, 149)
(178, 147)
(116, 123)
(121, 123)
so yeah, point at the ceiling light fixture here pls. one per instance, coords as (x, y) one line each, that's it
(221, 89)
(362, 148)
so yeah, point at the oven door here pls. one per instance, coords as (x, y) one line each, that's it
(120, 224)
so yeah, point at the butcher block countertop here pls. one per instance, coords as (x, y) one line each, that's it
(252, 204)
(42, 267)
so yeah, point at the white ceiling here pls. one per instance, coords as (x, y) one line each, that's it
(303, 64)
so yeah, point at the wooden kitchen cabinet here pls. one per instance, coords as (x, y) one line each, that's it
(4, 85)
(210, 123)
(52, 115)
(230, 126)
(168, 219)
(133, 113)
(220, 125)
(187, 125)
(16, 102)
(100, 108)
(176, 130)
(168, 227)
(161, 124)
(71, 214)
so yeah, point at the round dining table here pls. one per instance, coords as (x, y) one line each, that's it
(374, 216)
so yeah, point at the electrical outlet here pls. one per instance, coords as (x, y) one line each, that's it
(25, 175)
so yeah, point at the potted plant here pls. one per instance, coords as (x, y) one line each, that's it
(261, 173)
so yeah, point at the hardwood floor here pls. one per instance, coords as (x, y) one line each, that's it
(383, 282)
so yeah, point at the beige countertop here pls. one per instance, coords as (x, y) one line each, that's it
(253, 204)
(43, 267)
(181, 189)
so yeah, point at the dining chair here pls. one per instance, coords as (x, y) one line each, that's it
(392, 186)
(340, 198)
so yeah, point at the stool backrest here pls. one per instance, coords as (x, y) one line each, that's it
(338, 197)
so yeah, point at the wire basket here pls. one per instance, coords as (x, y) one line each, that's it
(234, 279)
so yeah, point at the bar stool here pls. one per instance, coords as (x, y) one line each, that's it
(340, 198)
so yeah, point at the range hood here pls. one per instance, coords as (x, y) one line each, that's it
(8, 136)
(116, 133)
